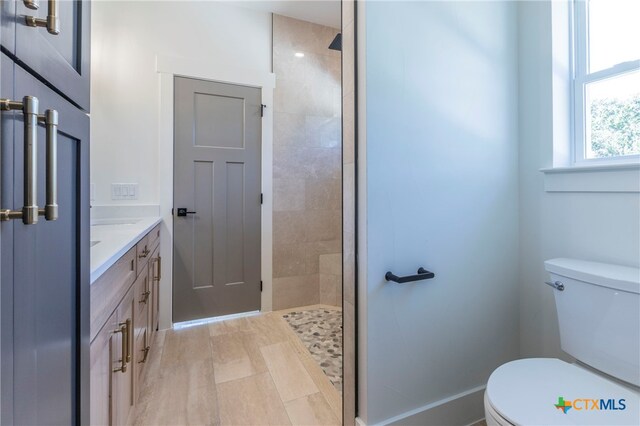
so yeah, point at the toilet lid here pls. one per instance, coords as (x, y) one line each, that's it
(526, 392)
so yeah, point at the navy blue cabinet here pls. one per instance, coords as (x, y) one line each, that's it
(44, 267)
(62, 59)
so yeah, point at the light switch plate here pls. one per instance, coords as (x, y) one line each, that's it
(124, 191)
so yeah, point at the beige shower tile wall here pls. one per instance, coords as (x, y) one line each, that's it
(331, 279)
(349, 215)
(307, 165)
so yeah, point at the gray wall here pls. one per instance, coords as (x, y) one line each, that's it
(596, 226)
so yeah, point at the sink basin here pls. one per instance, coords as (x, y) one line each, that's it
(93, 243)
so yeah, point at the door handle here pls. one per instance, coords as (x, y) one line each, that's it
(423, 274)
(182, 212)
(50, 120)
(52, 21)
(29, 108)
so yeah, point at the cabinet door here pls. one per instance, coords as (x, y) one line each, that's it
(104, 356)
(123, 386)
(50, 277)
(60, 59)
(6, 240)
(8, 27)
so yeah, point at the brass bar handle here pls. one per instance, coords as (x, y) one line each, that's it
(146, 297)
(123, 349)
(159, 268)
(156, 271)
(32, 4)
(52, 21)
(29, 108)
(128, 325)
(146, 352)
(50, 120)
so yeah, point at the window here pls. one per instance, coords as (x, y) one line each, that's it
(606, 111)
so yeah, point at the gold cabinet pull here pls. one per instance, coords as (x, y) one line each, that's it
(123, 350)
(145, 294)
(31, 4)
(128, 325)
(159, 277)
(50, 120)
(51, 23)
(156, 269)
(29, 108)
(146, 352)
(145, 252)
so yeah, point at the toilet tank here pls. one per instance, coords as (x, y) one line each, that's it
(599, 315)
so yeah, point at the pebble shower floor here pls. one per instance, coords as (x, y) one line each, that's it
(321, 332)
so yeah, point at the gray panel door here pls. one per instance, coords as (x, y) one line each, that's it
(216, 260)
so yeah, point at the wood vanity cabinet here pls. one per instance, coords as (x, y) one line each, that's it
(121, 347)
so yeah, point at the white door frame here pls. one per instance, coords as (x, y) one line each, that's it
(168, 67)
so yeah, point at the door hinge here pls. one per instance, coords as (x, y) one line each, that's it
(261, 198)
(262, 107)
(261, 286)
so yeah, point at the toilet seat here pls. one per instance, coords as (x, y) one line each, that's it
(525, 392)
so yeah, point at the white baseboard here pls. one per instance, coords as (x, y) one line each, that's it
(464, 408)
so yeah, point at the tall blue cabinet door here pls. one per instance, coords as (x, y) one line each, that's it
(62, 59)
(51, 275)
(8, 25)
(7, 121)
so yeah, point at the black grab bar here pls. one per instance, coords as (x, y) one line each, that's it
(423, 274)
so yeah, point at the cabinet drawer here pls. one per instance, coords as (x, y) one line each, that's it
(109, 289)
(154, 236)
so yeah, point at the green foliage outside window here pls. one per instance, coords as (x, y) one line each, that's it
(615, 127)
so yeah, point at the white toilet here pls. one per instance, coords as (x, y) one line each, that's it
(599, 316)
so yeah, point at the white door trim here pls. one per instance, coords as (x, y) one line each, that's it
(168, 67)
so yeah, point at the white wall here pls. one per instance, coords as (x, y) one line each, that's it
(596, 226)
(438, 187)
(125, 95)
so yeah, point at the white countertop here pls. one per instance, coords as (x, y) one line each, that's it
(116, 237)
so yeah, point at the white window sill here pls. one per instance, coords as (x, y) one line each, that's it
(593, 178)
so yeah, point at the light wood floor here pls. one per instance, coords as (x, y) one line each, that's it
(246, 371)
